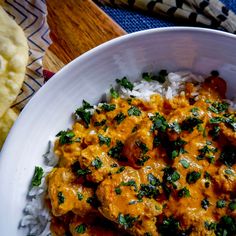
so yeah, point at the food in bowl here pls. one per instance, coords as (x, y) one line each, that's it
(157, 159)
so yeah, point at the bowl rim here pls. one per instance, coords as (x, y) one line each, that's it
(98, 49)
(80, 59)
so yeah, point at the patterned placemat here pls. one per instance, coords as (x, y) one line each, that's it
(132, 20)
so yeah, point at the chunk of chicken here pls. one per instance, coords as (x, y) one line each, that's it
(67, 195)
(120, 204)
(228, 133)
(97, 161)
(138, 144)
(92, 226)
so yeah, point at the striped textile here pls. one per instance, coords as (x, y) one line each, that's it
(212, 13)
(31, 16)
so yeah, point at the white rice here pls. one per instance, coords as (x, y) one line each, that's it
(36, 219)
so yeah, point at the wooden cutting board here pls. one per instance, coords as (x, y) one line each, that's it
(76, 26)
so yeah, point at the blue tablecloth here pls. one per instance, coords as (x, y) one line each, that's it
(132, 21)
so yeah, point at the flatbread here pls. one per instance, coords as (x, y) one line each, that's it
(6, 122)
(13, 60)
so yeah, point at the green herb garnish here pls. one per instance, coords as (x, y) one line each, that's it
(108, 107)
(119, 117)
(124, 82)
(80, 229)
(60, 198)
(114, 93)
(65, 137)
(84, 113)
(97, 163)
(127, 221)
(184, 192)
(37, 177)
(221, 203)
(104, 140)
(193, 177)
(134, 111)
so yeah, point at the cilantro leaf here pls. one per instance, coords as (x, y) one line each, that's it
(37, 177)
(65, 137)
(124, 82)
(134, 111)
(104, 140)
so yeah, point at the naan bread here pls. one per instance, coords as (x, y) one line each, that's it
(13, 60)
(6, 122)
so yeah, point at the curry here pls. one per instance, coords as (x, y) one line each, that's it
(158, 167)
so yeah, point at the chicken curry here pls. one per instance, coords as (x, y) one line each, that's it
(158, 167)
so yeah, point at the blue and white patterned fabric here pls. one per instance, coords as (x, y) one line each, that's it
(31, 16)
(131, 20)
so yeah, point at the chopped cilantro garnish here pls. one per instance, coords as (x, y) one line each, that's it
(115, 151)
(195, 111)
(127, 221)
(221, 203)
(108, 107)
(80, 229)
(134, 111)
(190, 123)
(175, 127)
(215, 132)
(37, 177)
(129, 183)
(228, 155)
(170, 175)
(232, 205)
(119, 117)
(121, 169)
(229, 172)
(93, 201)
(148, 191)
(184, 163)
(153, 180)
(101, 123)
(210, 225)
(65, 137)
(159, 122)
(161, 77)
(114, 93)
(142, 146)
(80, 196)
(97, 163)
(104, 140)
(216, 120)
(84, 113)
(193, 177)
(142, 160)
(218, 107)
(184, 192)
(124, 82)
(226, 226)
(205, 203)
(60, 198)
(156, 141)
(118, 190)
(169, 226)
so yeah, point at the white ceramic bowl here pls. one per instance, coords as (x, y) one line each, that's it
(87, 77)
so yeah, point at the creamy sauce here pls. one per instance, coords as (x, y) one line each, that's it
(161, 167)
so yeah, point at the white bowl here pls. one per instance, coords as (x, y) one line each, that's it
(87, 77)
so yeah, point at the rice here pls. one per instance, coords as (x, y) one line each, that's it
(36, 219)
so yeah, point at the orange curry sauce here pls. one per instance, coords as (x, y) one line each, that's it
(162, 167)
